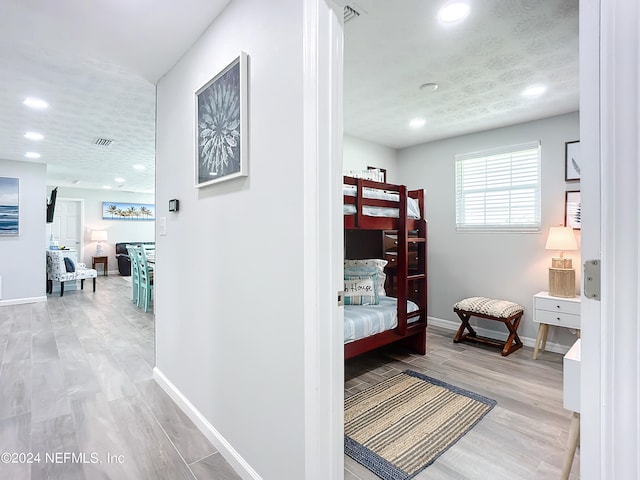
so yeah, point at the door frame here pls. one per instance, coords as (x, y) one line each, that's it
(609, 122)
(323, 234)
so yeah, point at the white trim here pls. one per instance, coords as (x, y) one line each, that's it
(619, 333)
(323, 240)
(20, 301)
(485, 332)
(592, 361)
(239, 464)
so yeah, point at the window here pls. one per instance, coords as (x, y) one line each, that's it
(499, 189)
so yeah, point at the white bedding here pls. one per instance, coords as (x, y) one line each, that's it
(362, 321)
(413, 209)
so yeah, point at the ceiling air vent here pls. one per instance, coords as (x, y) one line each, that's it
(102, 142)
(350, 13)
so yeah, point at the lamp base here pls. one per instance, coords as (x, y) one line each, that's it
(562, 282)
(99, 250)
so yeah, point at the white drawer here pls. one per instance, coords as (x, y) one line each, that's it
(560, 319)
(560, 305)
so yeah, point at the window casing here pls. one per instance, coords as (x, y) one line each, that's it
(499, 189)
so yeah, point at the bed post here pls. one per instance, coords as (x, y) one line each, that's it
(403, 263)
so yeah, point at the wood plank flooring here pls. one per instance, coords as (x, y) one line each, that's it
(76, 378)
(523, 437)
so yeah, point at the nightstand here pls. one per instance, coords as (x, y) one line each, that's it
(554, 311)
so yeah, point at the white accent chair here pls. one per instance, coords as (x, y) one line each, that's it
(57, 270)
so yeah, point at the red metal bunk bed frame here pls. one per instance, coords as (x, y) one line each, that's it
(413, 335)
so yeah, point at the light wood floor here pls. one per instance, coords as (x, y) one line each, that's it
(76, 377)
(525, 434)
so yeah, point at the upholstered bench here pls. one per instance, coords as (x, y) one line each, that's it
(499, 310)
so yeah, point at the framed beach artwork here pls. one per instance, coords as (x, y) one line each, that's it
(572, 161)
(221, 125)
(9, 206)
(128, 211)
(572, 209)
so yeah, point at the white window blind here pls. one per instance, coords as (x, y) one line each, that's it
(499, 189)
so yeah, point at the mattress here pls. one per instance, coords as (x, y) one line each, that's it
(362, 321)
(413, 209)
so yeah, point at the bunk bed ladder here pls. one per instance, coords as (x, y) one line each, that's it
(411, 284)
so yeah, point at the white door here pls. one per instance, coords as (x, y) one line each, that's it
(68, 224)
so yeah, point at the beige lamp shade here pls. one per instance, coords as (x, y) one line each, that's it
(98, 235)
(561, 238)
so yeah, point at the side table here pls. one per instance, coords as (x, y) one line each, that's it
(554, 311)
(104, 260)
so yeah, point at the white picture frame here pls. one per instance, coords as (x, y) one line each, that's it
(221, 125)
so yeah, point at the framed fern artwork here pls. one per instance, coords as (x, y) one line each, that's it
(572, 209)
(572, 161)
(221, 125)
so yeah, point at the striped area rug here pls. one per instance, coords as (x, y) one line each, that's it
(399, 427)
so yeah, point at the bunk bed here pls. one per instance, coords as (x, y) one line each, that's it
(373, 209)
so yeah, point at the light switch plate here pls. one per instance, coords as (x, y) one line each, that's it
(162, 226)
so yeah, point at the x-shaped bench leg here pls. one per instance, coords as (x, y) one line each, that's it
(512, 326)
(464, 318)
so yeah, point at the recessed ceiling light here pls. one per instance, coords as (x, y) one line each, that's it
(417, 122)
(429, 87)
(118, 180)
(32, 155)
(534, 91)
(36, 103)
(454, 11)
(137, 166)
(33, 136)
(107, 187)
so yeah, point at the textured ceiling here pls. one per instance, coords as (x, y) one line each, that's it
(481, 64)
(96, 63)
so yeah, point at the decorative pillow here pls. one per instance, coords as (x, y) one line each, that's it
(361, 289)
(69, 265)
(377, 264)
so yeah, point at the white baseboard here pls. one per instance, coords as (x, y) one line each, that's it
(527, 341)
(238, 463)
(20, 301)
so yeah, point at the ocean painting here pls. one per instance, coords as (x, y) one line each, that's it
(128, 211)
(9, 206)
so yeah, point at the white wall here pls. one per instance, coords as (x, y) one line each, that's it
(117, 230)
(358, 154)
(229, 312)
(22, 258)
(511, 266)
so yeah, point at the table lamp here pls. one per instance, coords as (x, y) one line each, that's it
(99, 236)
(562, 276)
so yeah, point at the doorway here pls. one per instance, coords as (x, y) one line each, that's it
(68, 224)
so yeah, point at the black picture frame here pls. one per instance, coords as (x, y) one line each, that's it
(572, 161)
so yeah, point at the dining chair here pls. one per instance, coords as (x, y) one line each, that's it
(146, 280)
(135, 274)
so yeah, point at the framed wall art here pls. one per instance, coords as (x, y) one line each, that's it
(128, 211)
(572, 161)
(572, 209)
(221, 125)
(9, 206)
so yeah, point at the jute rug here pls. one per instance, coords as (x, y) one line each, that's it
(399, 427)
